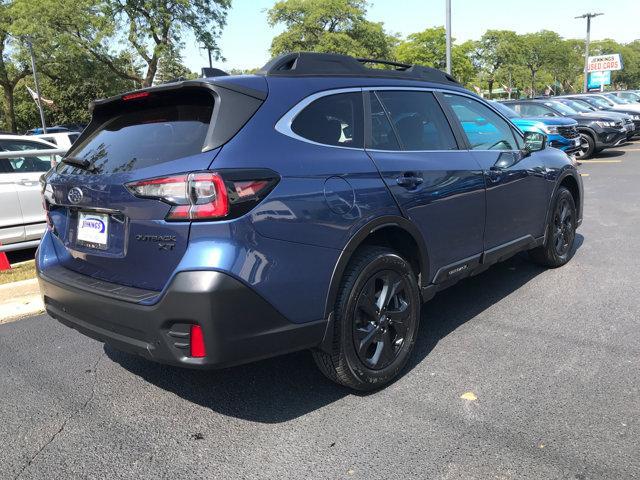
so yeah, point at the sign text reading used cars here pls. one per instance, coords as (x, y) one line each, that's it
(602, 63)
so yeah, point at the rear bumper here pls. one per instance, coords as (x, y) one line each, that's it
(239, 325)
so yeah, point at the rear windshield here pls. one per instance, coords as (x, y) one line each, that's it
(147, 131)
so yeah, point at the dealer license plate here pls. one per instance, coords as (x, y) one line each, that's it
(93, 229)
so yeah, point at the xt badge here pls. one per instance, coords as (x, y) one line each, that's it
(164, 242)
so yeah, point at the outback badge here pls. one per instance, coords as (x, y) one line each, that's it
(164, 242)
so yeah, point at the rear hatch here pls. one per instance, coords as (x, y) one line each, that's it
(101, 228)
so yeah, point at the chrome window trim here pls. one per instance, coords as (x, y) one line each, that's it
(283, 125)
(415, 151)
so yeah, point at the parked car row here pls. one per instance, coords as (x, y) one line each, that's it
(596, 121)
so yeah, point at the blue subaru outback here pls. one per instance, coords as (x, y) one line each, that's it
(313, 205)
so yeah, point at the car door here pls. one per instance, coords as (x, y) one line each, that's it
(24, 178)
(11, 225)
(517, 188)
(436, 185)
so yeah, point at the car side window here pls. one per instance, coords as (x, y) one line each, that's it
(418, 120)
(534, 110)
(333, 120)
(484, 128)
(15, 145)
(382, 135)
(23, 164)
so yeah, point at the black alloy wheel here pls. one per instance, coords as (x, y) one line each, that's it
(375, 321)
(560, 234)
(586, 148)
(564, 226)
(380, 323)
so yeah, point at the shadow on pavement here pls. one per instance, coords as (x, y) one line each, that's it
(286, 387)
(460, 303)
(612, 153)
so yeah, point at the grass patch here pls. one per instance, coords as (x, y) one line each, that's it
(23, 271)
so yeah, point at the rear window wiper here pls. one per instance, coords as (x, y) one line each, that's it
(78, 162)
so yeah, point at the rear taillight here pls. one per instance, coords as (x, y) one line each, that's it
(205, 195)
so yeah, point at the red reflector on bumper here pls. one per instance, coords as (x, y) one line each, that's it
(197, 342)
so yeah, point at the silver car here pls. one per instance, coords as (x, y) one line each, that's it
(22, 219)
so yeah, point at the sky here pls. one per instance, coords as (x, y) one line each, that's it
(246, 39)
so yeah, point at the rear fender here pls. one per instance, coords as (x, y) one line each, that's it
(359, 237)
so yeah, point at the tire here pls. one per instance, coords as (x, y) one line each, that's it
(371, 345)
(587, 147)
(561, 232)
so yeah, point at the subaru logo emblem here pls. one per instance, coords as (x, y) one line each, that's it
(75, 195)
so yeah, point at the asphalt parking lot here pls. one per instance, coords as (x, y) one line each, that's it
(547, 362)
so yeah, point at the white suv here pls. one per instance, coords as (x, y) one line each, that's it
(22, 219)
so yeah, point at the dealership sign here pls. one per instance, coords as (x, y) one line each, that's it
(601, 63)
(598, 79)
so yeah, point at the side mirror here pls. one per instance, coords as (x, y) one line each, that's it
(534, 141)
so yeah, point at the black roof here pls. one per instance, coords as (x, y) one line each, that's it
(332, 64)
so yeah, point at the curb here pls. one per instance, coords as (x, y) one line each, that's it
(20, 299)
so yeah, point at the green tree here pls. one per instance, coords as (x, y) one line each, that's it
(538, 50)
(571, 74)
(334, 26)
(155, 26)
(147, 27)
(630, 75)
(14, 66)
(496, 49)
(429, 48)
(72, 82)
(172, 67)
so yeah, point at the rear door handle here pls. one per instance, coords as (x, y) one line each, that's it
(409, 180)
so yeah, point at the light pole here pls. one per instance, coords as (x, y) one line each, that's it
(35, 80)
(588, 16)
(448, 35)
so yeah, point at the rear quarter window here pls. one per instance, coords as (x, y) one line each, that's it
(332, 120)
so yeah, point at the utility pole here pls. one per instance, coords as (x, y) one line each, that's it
(588, 16)
(448, 35)
(208, 54)
(35, 80)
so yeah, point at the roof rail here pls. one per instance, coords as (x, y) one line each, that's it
(332, 64)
